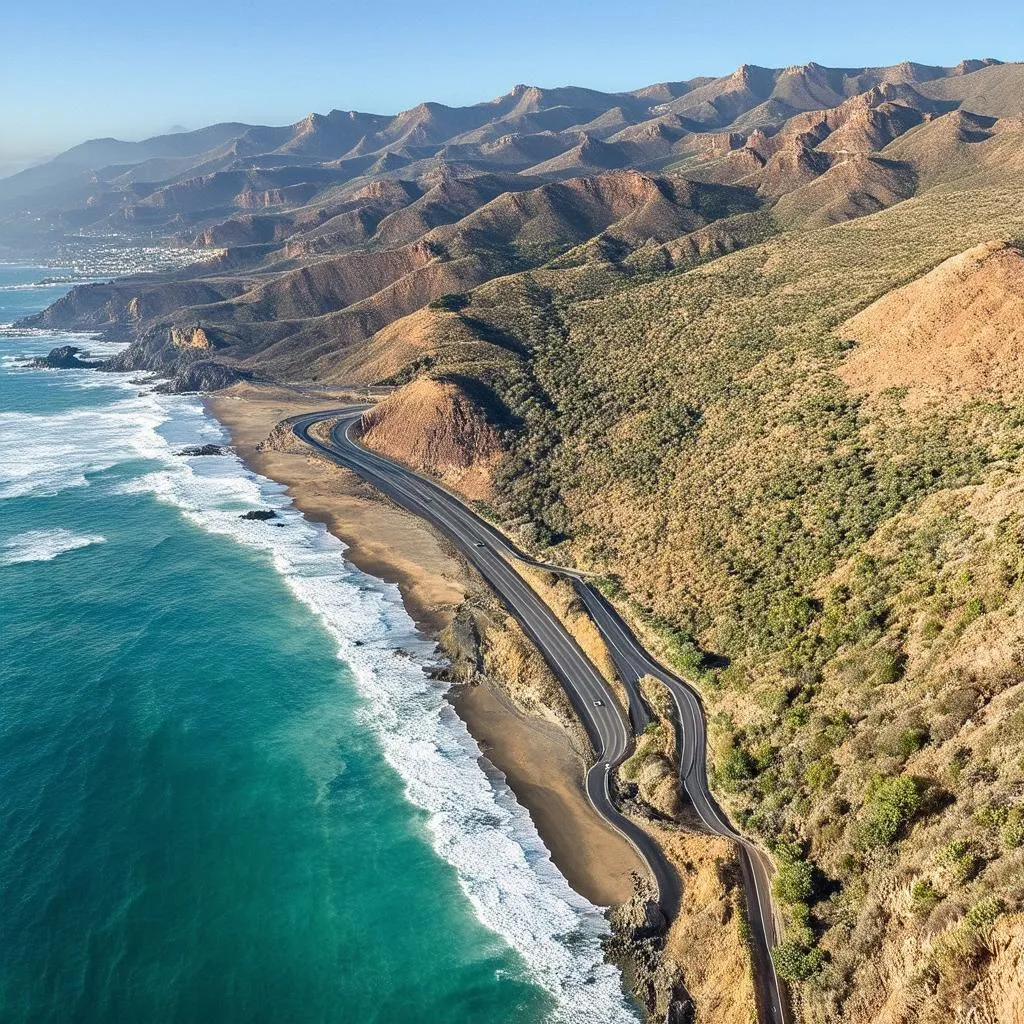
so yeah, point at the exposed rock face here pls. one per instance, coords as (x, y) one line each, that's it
(65, 357)
(433, 426)
(186, 337)
(205, 375)
(637, 943)
(259, 514)
(641, 917)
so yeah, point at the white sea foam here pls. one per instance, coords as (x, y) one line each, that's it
(475, 823)
(474, 820)
(45, 454)
(24, 343)
(44, 545)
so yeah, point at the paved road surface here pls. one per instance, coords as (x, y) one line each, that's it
(591, 697)
(610, 735)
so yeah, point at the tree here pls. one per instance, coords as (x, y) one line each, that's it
(795, 961)
(794, 881)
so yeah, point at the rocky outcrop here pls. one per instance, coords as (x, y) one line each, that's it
(637, 945)
(190, 337)
(204, 375)
(65, 357)
(203, 449)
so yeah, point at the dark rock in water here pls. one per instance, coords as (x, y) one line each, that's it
(203, 449)
(260, 514)
(66, 357)
(204, 375)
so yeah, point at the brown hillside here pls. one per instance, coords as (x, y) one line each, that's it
(589, 156)
(788, 169)
(392, 349)
(997, 90)
(447, 201)
(432, 426)
(870, 129)
(854, 187)
(961, 143)
(953, 334)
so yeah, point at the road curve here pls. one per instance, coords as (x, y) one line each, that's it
(610, 735)
(592, 699)
(632, 662)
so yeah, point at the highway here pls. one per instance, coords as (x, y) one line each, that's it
(610, 734)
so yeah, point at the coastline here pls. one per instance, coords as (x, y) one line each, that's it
(533, 754)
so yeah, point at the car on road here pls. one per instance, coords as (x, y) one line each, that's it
(478, 543)
(598, 703)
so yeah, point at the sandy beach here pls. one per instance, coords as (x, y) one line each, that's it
(389, 543)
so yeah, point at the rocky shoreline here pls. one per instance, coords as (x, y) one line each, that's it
(500, 685)
(191, 371)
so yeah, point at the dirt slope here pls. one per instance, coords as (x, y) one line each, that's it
(955, 333)
(431, 425)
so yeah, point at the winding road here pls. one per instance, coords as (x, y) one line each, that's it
(610, 734)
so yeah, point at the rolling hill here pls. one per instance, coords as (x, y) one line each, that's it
(745, 348)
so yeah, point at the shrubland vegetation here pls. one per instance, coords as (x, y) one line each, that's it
(839, 575)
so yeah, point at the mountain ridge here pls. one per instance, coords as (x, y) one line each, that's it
(759, 377)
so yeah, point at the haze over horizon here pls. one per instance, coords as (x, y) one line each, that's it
(198, 69)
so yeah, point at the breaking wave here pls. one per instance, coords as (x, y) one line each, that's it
(44, 545)
(473, 818)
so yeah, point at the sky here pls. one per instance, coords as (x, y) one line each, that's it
(71, 70)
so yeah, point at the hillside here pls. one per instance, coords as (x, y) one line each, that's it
(747, 348)
(953, 335)
(327, 231)
(841, 574)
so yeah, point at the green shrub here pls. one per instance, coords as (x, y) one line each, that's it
(892, 805)
(890, 667)
(972, 610)
(821, 774)
(984, 913)
(911, 740)
(958, 762)
(991, 817)
(737, 766)
(924, 896)
(962, 858)
(1012, 833)
(451, 303)
(795, 961)
(794, 881)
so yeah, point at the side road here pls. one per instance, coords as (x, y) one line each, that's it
(610, 735)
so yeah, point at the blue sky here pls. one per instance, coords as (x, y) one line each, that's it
(74, 70)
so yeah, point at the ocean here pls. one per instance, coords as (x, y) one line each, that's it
(229, 789)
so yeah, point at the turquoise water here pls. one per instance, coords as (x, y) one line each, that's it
(228, 790)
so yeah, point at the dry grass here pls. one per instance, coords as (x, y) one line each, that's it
(558, 594)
